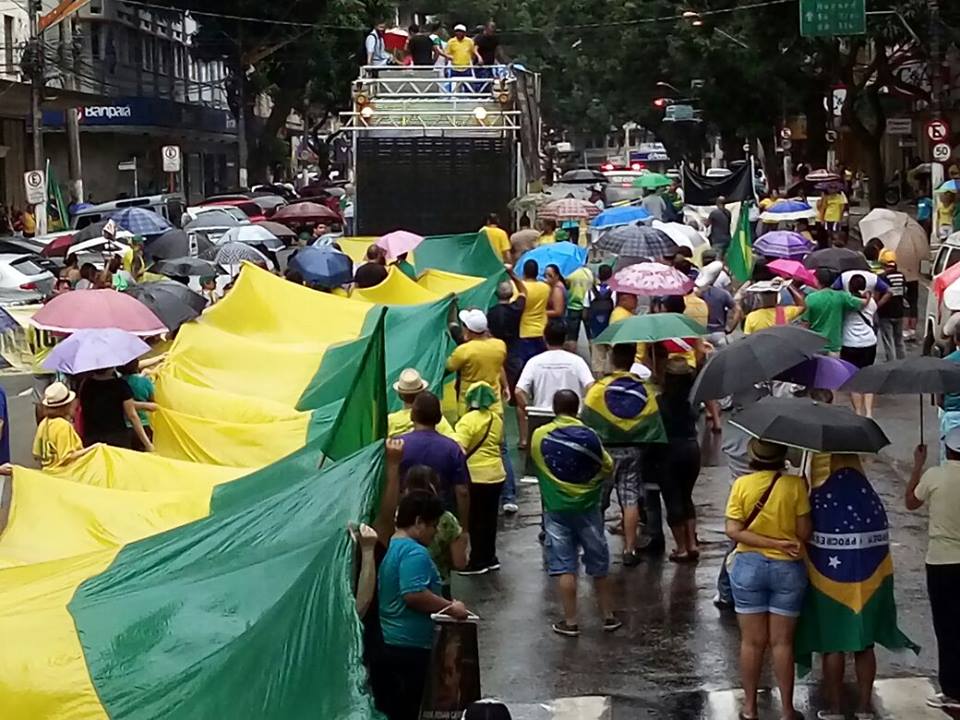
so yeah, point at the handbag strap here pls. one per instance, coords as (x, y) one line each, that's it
(486, 434)
(761, 502)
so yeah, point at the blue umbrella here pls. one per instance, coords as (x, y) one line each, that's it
(322, 266)
(566, 256)
(787, 210)
(623, 215)
(949, 186)
(87, 350)
(142, 222)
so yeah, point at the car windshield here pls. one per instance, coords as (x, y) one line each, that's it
(619, 194)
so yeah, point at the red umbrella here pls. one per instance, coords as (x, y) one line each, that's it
(305, 212)
(97, 310)
(58, 246)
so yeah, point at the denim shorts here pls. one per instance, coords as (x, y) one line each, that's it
(763, 585)
(567, 533)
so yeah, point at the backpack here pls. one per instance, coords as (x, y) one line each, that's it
(601, 307)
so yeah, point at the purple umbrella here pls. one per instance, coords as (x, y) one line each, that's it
(783, 244)
(87, 350)
(820, 372)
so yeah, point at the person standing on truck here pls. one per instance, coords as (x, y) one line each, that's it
(376, 47)
(420, 46)
(491, 54)
(462, 53)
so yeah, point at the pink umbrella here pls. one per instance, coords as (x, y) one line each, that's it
(793, 269)
(651, 279)
(568, 209)
(399, 242)
(97, 310)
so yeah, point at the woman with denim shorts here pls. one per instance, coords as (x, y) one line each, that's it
(768, 516)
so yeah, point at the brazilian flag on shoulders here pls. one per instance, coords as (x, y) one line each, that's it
(623, 410)
(849, 604)
(571, 464)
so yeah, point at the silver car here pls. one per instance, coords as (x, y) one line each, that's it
(23, 279)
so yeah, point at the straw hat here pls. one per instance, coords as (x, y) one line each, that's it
(766, 452)
(410, 382)
(57, 395)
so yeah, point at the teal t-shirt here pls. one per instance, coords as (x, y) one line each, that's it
(406, 568)
(825, 312)
(142, 388)
(951, 402)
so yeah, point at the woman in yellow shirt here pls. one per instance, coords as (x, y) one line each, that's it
(945, 213)
(480, 433)
(771, 313)
(830, 207)
(768, 516)
(56, 442)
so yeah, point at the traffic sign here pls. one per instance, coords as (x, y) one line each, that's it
(942, 152)
(830, 136)
(786, 144)
(127, 165)
(35, 183)
(171, 158)
(820, 18)
(786, 133)
(938, 131)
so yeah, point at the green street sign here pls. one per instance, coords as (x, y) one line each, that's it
(820, 18)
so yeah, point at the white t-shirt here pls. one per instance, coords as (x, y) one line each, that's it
(551, 371)
(939, 488)
(858, 326)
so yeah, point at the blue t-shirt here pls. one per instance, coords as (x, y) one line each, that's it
(406, 568)
(951, 402)
(426, 447)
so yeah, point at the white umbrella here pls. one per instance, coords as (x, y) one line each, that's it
(681, 234)
(251, 235)
(885, 225)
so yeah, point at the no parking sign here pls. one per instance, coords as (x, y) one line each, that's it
(171, 158)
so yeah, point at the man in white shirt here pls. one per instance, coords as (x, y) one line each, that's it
(375, 46)
(551, 371)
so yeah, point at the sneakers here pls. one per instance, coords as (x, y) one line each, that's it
(632, 559)
(722, 604)
(494, 566)
(511, 508)
(474, 570)
(562, 628)
(943, 702)
(611, 624)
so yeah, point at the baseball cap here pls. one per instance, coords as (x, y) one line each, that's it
(952, 439)
(888, 257)
(460, 28)
(474, 320)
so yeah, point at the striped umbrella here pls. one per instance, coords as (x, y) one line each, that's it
(140, 221)
(569, 209)
(787, 210)
(235, 253)
(783, 244)
(637, 241)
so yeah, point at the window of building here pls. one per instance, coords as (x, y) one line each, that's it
(136, 44)
(149, 47)
(96, 49)
(163, 57)
(8, 43)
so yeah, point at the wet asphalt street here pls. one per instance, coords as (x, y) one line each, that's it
(676, 656)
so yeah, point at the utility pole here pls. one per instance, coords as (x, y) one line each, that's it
(74, 162)
(936, 81)
(242, 115)
(36, 86)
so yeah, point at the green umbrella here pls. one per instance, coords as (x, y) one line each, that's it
(652, 327)
(652, 180)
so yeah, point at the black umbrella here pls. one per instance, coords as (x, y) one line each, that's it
(920, 376)
(173, 244)
(583, 176)
(838, 259)
(184, 267)
(90, 232)
(809, 425)
(169, 301)
(637, 241)
(757, 358)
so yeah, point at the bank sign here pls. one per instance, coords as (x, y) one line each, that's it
(148, 112)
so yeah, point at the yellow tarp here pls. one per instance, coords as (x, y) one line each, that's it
(356, 247)
(444, 283)
(397, 289)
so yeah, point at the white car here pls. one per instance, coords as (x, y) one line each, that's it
(23, 280)
(192, 213)
(98, 251)
(948, 255)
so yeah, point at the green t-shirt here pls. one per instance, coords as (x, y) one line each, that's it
(448, 530)
(825, 311)
(142, 388)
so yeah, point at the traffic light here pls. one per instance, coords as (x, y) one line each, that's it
(660, 102)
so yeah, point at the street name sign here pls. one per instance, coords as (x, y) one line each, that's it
(826, 18)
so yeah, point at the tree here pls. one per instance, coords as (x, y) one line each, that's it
(300, 54)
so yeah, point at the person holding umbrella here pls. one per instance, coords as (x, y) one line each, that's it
(768, 516)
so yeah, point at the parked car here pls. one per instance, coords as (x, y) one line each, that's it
(98, 251)
(24, 280)
(169, 206)
(16, 245)
(947, 255)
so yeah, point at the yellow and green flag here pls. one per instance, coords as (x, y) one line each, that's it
(740, 253)
(571, 464)
(623, 410)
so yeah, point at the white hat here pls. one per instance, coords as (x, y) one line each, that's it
(952, 439)
(460, 28)
(474, 320)
(57, 395)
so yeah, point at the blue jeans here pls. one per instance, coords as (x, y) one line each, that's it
(569, 532)
(509, 492)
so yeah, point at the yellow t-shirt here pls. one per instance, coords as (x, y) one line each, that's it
(485, 464)
(778, 519)
(29, 223)
(533, 321)
(833, 207)
(619, 314)
(945, 215)
(546, 239)
(479, 361)
(697, 309)
(499, 240)
(56, 438)
(764, 318)
(460, 52)
(399, 423)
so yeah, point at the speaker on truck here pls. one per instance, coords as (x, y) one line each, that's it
(432, 185)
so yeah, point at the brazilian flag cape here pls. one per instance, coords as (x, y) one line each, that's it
(571, 464)
(623, 410)
(849, 604)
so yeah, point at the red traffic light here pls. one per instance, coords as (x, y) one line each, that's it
(660, 102)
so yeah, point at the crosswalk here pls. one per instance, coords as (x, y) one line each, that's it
(894, 699)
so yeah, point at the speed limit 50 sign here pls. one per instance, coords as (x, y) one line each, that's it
(942, 152)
